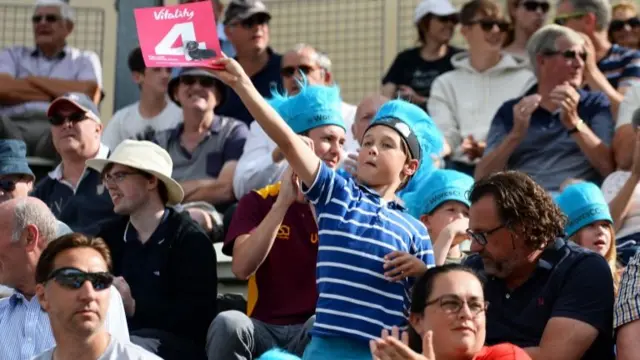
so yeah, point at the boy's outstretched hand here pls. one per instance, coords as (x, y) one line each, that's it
(400, 265)
(228, 71)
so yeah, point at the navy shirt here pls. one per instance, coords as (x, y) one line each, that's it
(548, 153)
(621, 66)
(569, 282)
(264, 80)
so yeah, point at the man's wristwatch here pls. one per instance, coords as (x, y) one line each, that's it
(579, 126)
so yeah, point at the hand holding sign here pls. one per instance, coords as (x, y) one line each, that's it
(178, 36)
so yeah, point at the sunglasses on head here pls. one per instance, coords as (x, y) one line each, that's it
(259, 19)
(568, 54)
(50, 18)
(488, 25)
(534, 6)
(454, 18)
(75, 117)
(72, 278)
(617, 25)
(204, 81)
(562, 19)
(289, 71)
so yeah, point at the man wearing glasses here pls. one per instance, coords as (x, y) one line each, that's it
(33, 76)
(74, 288)
(246, 25)
(548, 296)
(28, 228)
(74, 193)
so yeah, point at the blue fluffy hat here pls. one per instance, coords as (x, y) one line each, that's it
(439, 187)
(583, 203)
(313, 106)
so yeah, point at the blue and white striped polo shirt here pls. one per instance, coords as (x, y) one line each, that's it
(357, 228)
(621, 66)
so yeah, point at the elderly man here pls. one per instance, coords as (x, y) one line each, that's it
(32, 76)
(259, 165)
(609, 68)
(536, 285)
(74, 193)
(28, 227)
(246, 25)
(557, 130)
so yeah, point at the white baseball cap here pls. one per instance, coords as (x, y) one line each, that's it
(436, 7)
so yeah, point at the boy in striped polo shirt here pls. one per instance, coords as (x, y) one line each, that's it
(358, 224)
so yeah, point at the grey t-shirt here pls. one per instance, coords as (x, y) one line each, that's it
(115, 351)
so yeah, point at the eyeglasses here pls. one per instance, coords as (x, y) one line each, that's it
(534, 6)
(617, 25)
(117, 177)
(50, 18)
(481, 237)
(75, 117)
(562, 19)
(289, 71)
(72, 278)
(568, 54)
(204, 81)
(454, 19)
(488, 25)
(452, 304)
(258, 19)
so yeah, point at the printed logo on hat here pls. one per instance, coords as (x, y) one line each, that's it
(403, 129)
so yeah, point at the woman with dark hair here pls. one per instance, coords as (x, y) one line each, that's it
(448, 311)
(527, 16)
(412, 72)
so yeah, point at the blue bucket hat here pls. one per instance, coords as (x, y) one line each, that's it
(13, 158)
(441, 186)
(583, 203)
(312, 107)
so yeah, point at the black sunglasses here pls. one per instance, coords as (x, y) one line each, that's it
(534, 6)
(617, 25)
(73, 278)
(57, 119)
(50, 18)
(259, 19)
(289, 71)
(568, 54)
(481, 237)
(488, 25)
(563, 19)
(454, 19)
(204, 81)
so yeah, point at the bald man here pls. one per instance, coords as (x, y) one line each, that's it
(27, 225)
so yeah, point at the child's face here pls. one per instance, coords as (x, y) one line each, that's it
(443, 215)
(381, 160)
(595, 236)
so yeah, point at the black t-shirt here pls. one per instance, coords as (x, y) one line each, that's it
(410, 69)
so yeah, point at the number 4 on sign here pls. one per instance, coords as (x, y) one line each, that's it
(185, 31)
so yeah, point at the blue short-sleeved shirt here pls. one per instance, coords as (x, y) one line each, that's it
(548, 153)
(569, 282)
(357, 228)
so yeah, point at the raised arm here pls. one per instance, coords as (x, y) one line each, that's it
(300, 156)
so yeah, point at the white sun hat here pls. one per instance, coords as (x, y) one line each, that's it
(435, 7)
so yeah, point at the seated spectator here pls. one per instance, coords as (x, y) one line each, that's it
(73, 192)
(246, 25)
(62, 273)
(624, 28)
(258, 167)
(626, 315)
(28, 226)
(205, 147)
(165, 266)
(273, 241)
(154, 112)
(622, 193)
(589, 223)
(556, 130)
(609, 68)
(527, 16)
(441, 203)
(413, 71)
(32, 76)
(464, 101)
(536, 285)
(448, 310)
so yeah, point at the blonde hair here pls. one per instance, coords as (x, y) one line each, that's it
(611, 256)
(625, 5)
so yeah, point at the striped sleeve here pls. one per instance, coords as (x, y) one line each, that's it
(423, 246)
(631, 71)
(326, 186)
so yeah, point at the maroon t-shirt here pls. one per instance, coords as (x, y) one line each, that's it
(283, 290)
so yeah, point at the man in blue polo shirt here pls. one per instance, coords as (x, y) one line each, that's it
(556, 131)
(547, 295)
